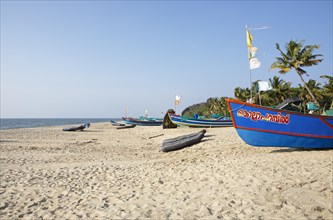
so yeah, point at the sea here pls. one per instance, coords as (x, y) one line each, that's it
(12, 123)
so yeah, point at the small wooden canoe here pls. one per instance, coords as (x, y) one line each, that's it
(77, 128)
(183, 141)
(126, 126)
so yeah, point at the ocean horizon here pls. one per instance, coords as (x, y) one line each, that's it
(13, 123)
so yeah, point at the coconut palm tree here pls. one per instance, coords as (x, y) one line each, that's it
(281, 89)
(213, 106)
(305, 96)
(242, 94)
(224, 106)
(296, 57)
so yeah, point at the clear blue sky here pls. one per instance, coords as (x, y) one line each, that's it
(94, 58)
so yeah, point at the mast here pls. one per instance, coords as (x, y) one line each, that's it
(249, 44)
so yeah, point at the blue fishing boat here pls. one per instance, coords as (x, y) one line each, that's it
(269, 127)
(143, 121)
(203, 123)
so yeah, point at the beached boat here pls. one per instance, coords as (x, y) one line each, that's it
(143, 121)
(183, 141)
(126, 126)
(77, 128)
(115, 123)
(203, 123)
(270, 127)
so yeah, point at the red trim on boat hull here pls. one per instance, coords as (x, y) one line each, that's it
(285, 133)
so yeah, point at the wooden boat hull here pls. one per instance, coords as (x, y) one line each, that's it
(182, 141)
(203, 123)
(263, 126)
(126, 126)
(77, 128)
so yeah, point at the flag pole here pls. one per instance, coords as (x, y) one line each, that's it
(250, 84)
(248, 52)
(177, 101)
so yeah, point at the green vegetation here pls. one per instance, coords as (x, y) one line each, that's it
(281, 91)
(296, 57)
(211, 106)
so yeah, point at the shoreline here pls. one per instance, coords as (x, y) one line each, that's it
(107, 173)
(16, 123)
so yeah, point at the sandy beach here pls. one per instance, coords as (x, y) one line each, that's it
(106, 173)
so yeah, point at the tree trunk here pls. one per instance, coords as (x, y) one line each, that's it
(307, 88)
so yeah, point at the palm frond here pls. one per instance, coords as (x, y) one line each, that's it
(284, 70)
(285, 56)
(300, 71)
(279, 65)
(311, 62)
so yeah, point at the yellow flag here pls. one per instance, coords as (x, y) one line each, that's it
(248, 38)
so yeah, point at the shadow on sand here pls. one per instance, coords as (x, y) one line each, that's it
(288, 150)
